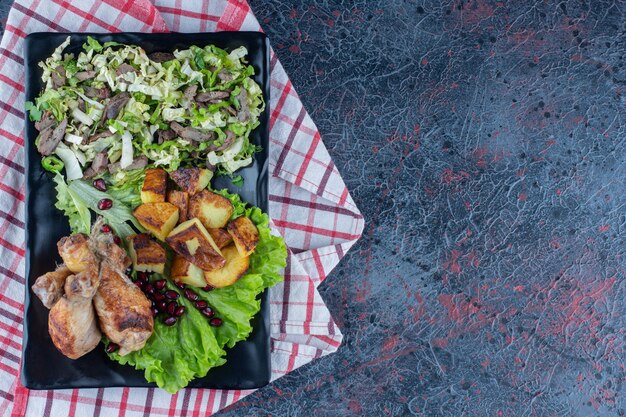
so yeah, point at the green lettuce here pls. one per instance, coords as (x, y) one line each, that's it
(175, 355)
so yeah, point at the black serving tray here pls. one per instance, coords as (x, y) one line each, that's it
(43, 366)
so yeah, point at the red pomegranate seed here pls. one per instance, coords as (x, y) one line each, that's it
(155, 311)
(148, 288)
(161, 305)
(158, 296)
(190, 295)
(180, 310)
(159, 284)
(112, 347)
(142, 276)
(208, 311)
(139, 284)
(180, 285)
(99, 184)
(117, 240)
(200, 304)
(105, 204)
(171, 295)
(215, 322)
(105, 228)
(207, 288)
(170, 321)
(171, 307)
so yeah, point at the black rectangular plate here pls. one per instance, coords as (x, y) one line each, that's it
(43, 366)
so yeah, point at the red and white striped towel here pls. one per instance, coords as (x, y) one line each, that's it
(309, 203)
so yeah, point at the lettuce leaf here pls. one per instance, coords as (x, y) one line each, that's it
(175, 355)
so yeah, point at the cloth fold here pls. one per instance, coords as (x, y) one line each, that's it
(309, 204)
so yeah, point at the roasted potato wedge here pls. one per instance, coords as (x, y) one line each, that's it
(75, 252)
(181, 200)
(212, 209)
(221, 237)
(192, 180)
(154, 186)
(158, 218)
(244, 234)
(184, 271)
(146, 254)
(191, 240)
(236, 266)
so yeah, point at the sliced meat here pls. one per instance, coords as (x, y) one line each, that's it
(228, 142)
(212, 95)
(124, 68)
(161, 56)
(190, 91)
(81, 105)
(230, 110)
(115, 105)
(58, 77)
(244, 111)
(191, 133)
(97, 93)
(139, 162)
(224, 76)
(85, 75)
(165, 135)
(45, 122)
(104, 134)
(49, 139)
(98, 166)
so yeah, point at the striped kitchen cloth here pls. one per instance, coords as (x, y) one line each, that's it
(309, 204)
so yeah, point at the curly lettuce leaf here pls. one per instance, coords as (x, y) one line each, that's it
(74, 208)
(175, 355)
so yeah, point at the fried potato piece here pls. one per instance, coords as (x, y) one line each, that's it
(191, 240)
(154, 186)
(236, 266)
(212, 209)
(221, 237)
(181, 200)
(184, 271)
(244, 234)
(192, 180)
(158, 218)
(147, 255)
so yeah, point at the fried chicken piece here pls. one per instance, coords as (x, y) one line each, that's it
(76, 252)
(123, 310)
(49, 287)
(72, 321)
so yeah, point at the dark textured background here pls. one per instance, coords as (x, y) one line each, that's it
(485, 144)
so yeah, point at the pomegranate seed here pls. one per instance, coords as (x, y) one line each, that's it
(207, 311)
(158, 296)
(139, 284)
(155, 311)
(161, 305)
(105, 228)
(180, 310)
(117, 240)
(171, 307)
(160, 284)
(207, 288)
(99, 184)
(105, 204)
(148, 288)
(170, 321)
(171, 294)
(200, 304)
(112, 347)
(190, 295)
(180, 285)
(215, 322)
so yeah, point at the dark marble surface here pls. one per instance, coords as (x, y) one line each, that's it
(485, 144)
